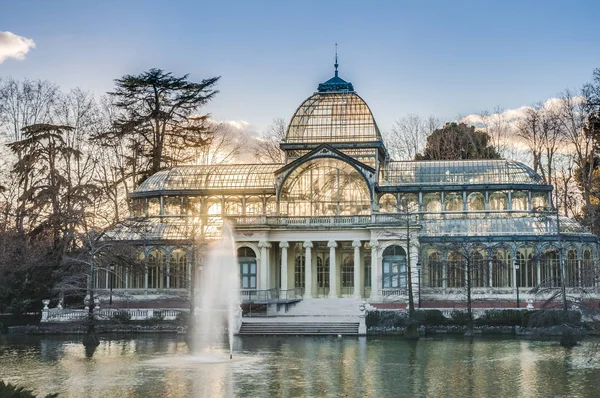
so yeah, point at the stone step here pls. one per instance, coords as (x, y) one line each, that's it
(302, 328)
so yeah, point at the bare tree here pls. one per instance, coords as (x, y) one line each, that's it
(266, 148)
(409, 134)
(226, 145)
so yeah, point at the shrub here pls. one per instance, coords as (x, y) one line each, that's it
(460, 318)
(504, 318)
(431, 317)
(121, 316)
(385, 319)
(8, 390)
(547, 318)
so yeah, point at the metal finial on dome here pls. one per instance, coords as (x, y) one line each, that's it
(336, 61)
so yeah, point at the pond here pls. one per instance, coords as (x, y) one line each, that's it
(160, 366)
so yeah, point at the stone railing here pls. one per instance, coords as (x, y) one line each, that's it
(317, 221)
(135, 314)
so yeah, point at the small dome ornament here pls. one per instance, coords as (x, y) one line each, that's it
(335, 84)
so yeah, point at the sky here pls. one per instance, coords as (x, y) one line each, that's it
(441, 58)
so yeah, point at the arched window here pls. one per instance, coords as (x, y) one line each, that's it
(453, 201)
(539, 200)
(347, 274)
(254, 206)
(299, 271)
(588, 276)
(388, 203)
(172, 205)
(476, 201)
(157, 273)
(271, 205)
(432, 202)
(455, 270)
(527, 274)
(502, 268)
(323, 273)
(520, 200)
(153, 207)
(479, 268)
(498, 201)
(325, 187)
(571, 269)
(409, 203)
(394, 267)
(179, 270)
(550, 267)
(434, 272)
(137, 272)
(233, 206)
(247, 261)
(213, 206)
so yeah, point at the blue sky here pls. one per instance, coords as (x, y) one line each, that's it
(443, 58)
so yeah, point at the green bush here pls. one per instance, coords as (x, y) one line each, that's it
(386, 319)
(121, 316)
(8, 390)
(460, 318)
(548, 318)
(430, 317)
(504, 318)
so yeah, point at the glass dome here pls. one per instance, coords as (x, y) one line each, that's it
(333, 115)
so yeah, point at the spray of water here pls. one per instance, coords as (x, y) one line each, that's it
(217, 298)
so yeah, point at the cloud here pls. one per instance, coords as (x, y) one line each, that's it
(14, 46)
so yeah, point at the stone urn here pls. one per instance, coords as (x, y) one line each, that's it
(46, 302)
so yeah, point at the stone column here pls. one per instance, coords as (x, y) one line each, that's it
(357, 291)
(284, 264)
(264, 265)
(374, 274)
(308, 269)
(333, 290)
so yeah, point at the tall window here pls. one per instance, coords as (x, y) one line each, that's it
(550, 268)
(502, 268)
(394, 267)
(527, 269)
(347, 274)
(157, 275)
(323, 272)
(588, 276)
(179, 269)
(479, 268)
(571, 271)
(367, 262)
(435, 271)
(299, 270)
(455, 269)
(247, 261)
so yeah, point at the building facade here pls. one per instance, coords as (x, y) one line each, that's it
(339, 218)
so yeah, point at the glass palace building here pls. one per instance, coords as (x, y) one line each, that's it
(340, 218)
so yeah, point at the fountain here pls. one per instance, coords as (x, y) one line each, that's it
(217, 299)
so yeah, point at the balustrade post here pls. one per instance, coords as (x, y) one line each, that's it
(332, 244)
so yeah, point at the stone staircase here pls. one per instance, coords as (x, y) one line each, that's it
(309, 317)
(300, 328)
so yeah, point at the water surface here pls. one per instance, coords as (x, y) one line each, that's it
(161, 366)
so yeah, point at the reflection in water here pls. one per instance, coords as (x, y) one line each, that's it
(159, 366)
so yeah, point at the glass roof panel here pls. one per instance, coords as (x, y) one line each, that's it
(459, 172)
(499, 224)
(333, 117)
(228, 176)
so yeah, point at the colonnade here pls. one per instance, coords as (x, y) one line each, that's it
(359, 250)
